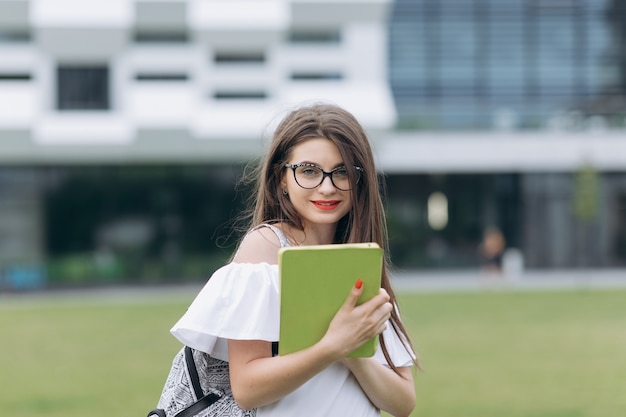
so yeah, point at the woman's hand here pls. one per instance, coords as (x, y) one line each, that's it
(354, 325)
(257, 378)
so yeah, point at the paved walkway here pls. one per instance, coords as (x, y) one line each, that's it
(414, 281)
(529, 280)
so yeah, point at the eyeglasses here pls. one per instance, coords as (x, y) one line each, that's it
(310, 176)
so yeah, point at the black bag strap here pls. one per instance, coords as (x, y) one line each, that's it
(199, 405)
(203, 400)
(193, 373)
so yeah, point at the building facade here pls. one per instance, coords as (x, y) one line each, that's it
(125, 124)
(112, 73)
(128, 84)
(510, 64)
(524, 102)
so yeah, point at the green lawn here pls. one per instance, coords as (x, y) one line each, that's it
(488, 354)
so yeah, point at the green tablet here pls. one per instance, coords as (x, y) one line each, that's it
(315, 282)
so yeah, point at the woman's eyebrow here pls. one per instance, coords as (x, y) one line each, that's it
(340, 164)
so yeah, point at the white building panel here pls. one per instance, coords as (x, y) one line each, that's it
(83, 129)
(81, 30)
(239, 15)
(158, 107)
(161, 14)
(365, 46)
(81, 13)
(367, 103)
(485, 152)
(14, 14)
(114, 72)
(18, 102)
(251, 117)
(321, 13)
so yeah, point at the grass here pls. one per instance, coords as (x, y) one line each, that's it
(556, 354)
(531, 354)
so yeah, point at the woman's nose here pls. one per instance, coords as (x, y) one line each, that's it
(327, 186)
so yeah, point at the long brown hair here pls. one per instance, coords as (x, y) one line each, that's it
(366, 220)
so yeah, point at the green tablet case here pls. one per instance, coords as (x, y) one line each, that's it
(315, 282)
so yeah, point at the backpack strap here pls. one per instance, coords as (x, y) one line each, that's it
(203, 401)
(193, 373)
(199, 405)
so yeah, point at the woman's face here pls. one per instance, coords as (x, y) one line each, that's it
(324, 204)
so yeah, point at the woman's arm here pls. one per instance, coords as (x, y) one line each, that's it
(257, 378)
(387, 390)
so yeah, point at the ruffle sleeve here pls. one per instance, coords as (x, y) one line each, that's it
(239, 301)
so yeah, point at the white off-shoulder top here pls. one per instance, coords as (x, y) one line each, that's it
(242, 301)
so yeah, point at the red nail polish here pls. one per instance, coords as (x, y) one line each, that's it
(359, 284)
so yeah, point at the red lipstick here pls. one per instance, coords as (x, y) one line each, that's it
(326, 204)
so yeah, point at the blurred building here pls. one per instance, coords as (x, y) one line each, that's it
(124, 124)
(91, 90)
(516, 111)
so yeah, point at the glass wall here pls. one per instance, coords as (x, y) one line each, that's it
(107, 224)
(438, 221)
(507, 64)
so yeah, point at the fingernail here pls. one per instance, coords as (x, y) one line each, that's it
(359, 284)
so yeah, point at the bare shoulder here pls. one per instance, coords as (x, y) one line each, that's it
(260, 245)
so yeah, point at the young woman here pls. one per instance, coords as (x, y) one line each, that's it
(317, 185)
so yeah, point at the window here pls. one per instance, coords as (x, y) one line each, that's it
(161, 37)
(13, 36)
(15, 76)
(329, 36)
(239, 58)
(316, 76)
(240, 95)
(83, 88)
(161, 77)
(533, 57)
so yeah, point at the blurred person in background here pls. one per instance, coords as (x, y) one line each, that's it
(491, 250)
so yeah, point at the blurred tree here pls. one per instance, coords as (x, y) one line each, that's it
(586, 202)
(586, 193)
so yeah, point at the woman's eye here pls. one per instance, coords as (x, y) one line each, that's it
(310, 171)
(342, 172)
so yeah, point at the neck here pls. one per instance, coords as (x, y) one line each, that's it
(317, 235)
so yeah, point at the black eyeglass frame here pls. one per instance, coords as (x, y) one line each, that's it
(325, 174)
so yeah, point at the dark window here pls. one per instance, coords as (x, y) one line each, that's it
(330, 36)
(239, 58)
(13, 36)
(161, 37)
(316, 76)
(83, 88)
(161, 77)
(620, 229)
(15, 76)
(240, 95)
